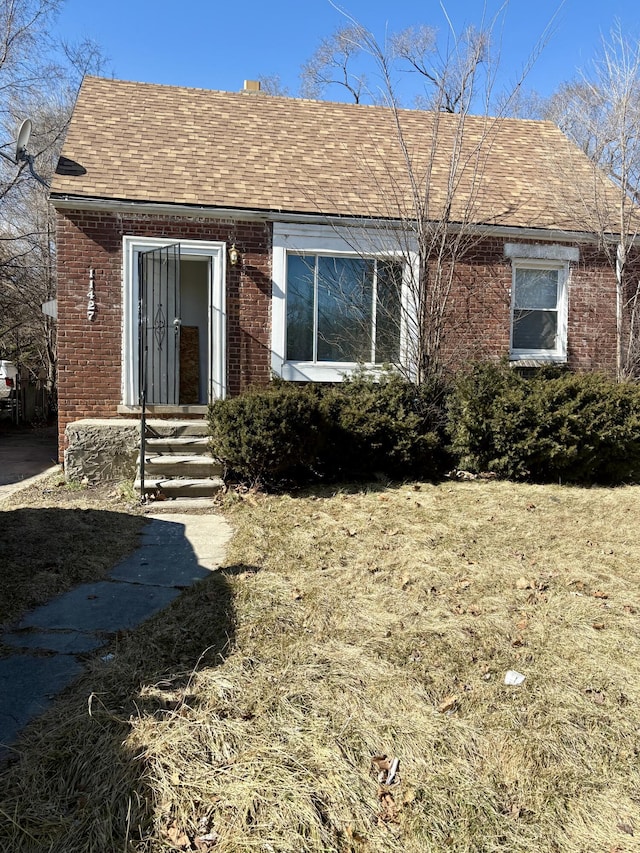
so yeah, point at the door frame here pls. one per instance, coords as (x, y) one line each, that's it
(215, 253)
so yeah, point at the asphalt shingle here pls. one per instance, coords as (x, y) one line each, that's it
(147, 142)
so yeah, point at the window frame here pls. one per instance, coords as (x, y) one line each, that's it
(338, 242)
(559, 353)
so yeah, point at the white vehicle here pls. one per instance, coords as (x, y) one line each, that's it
(8, 383)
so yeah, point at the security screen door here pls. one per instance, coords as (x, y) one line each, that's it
(159, 326)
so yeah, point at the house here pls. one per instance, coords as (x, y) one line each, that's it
(261, 236)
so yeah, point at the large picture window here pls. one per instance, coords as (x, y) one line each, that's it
(343, 309)
(340, 300)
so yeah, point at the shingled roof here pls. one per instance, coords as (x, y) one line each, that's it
(150, 143)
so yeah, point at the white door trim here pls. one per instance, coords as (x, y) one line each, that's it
(216, 253)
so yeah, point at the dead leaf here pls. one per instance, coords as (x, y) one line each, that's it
(600, 594)
(598, 626)
(523, 583)
(176, 836)
(626, 827)
(448, 704)
(381, 763)
(389, 812)
(629, 609)
(523, 623)
(393, 532)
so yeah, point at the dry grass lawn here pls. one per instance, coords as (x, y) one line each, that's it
(53, 537)
(265, 710)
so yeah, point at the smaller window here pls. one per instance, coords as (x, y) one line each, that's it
(538, 310)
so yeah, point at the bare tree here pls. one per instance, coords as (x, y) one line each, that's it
(333, 64)
(432, 210)
(271, 84)
(451, 79)
(600, 112)
(38, 79)
(449, 76)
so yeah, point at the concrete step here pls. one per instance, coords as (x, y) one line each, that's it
(181, 445)
(178, 463)
(176, 429)
(170, 465)
(204, 505)
(182, 488)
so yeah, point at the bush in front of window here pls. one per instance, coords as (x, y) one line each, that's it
(361, 428)
(384, 426)
(553, 426)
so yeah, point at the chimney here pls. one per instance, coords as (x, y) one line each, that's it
(251, 86)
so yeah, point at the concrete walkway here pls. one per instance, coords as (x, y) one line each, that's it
(176, 551)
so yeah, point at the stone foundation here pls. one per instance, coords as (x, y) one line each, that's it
(101, 449)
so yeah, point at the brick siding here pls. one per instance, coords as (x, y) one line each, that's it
(89, 352)
(478, 315)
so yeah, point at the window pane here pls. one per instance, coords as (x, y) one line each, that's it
(535, 330)
(388, 312)
(300, 270)
(345, 293)
(536, 289)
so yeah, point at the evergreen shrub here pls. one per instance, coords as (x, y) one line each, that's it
(289, 433)
(552, 426)
(268, 435)
(387, 426)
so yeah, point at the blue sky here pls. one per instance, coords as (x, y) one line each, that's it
(216, 45)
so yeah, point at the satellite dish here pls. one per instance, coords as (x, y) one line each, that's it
(22, 155)
(23, 140)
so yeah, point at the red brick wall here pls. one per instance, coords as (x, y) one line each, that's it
(89, 352)
(478, 316)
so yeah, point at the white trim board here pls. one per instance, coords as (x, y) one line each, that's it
(216, 253)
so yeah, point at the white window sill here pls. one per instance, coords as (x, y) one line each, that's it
(334, 371)
(532, 359)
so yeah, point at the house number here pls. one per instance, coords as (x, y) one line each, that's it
(91, 294)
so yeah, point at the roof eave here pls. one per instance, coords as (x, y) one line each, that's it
(66, 201)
